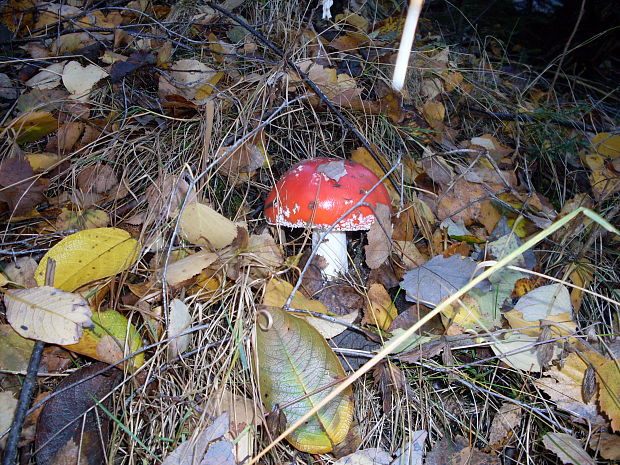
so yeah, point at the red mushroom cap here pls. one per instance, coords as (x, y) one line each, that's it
(318, 191)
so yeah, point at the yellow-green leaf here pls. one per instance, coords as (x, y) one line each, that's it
(88, 256)
(47, 314)
(293, 361)
(110, 340)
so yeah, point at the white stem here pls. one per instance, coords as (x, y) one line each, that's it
(333, 248)
(406, 42)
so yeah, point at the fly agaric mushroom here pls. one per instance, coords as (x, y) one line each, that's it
(315, 193)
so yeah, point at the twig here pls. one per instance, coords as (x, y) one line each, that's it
(30, 383)
(313, 86)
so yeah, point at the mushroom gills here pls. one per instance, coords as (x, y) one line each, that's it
(332, 247)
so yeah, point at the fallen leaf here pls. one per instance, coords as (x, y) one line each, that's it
(608, 378)
(47, 314)
(21, 271)
(181, 271)
(110, 339)
(379, 237)
(434, 112)
(568, 449)
(294, 360)
(20, 188)
(193, 450)
(362, 155)
(179, 320)
(15, 351)
(97, 178)
(372, 456)
(246, 158)
(462, 202)
(79, 80)
(88, 256)
(438, 278)
(582, 275)
(550, 303)
(77, 415)
(607, 445)
(380, 310)
(48, 78)
(458, 452)
(564, 385)
(263, 254)
(519, 351)
(186, 77)
(202, 225)
(31, 126)
(8, 404)
(166, 195)
(81, 220)
(492, 145)
(41, 162)
(504, 425)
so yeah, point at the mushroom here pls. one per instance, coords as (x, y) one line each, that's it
(315, 193)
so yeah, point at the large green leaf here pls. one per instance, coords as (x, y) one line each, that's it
(293, 361)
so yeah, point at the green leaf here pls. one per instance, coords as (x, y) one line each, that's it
(293, 361)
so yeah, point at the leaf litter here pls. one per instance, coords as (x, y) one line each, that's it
(138, 159)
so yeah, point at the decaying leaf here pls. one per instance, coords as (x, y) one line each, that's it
(73, 415)
(568, 449)
(193, 450)
(19, 187)
(293, 361)
(608, 445)
(505, 424)
(373, 456)
(110, 339)
(14, 351)
(263, 254)
(519, 351)
(180, 272)
(81, 220)
(458, 452)
(438, 278)
(186, 78)
(379, 238)
(21, 271)
(98, 178)
(8, 404)
(89, 255)
(608, 378)
(47, 314)
(277, 293)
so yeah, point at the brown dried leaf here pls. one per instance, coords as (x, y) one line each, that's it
(21, 271)
(379, 238)
(181, 271)
(504, 425)
(462, 202)
(97, 179)
(19, 187)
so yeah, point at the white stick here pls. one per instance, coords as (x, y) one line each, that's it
(406, 42)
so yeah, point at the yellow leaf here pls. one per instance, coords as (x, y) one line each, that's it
(31, 126)
(564, 327)
(608, 377)
(277, 291)
(87, 219)
(88, 256)
(433, 111)
(201, 225)
(363, 156)
(607, 144)
(581, 276)
(380, 310)
(47, 314)
(465, 315)
(110, 340)
(40, 162)
(207, 89)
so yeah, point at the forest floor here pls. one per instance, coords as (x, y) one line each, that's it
(478, 321)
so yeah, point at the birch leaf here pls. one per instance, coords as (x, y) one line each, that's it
(88, 256)
(47, 314)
